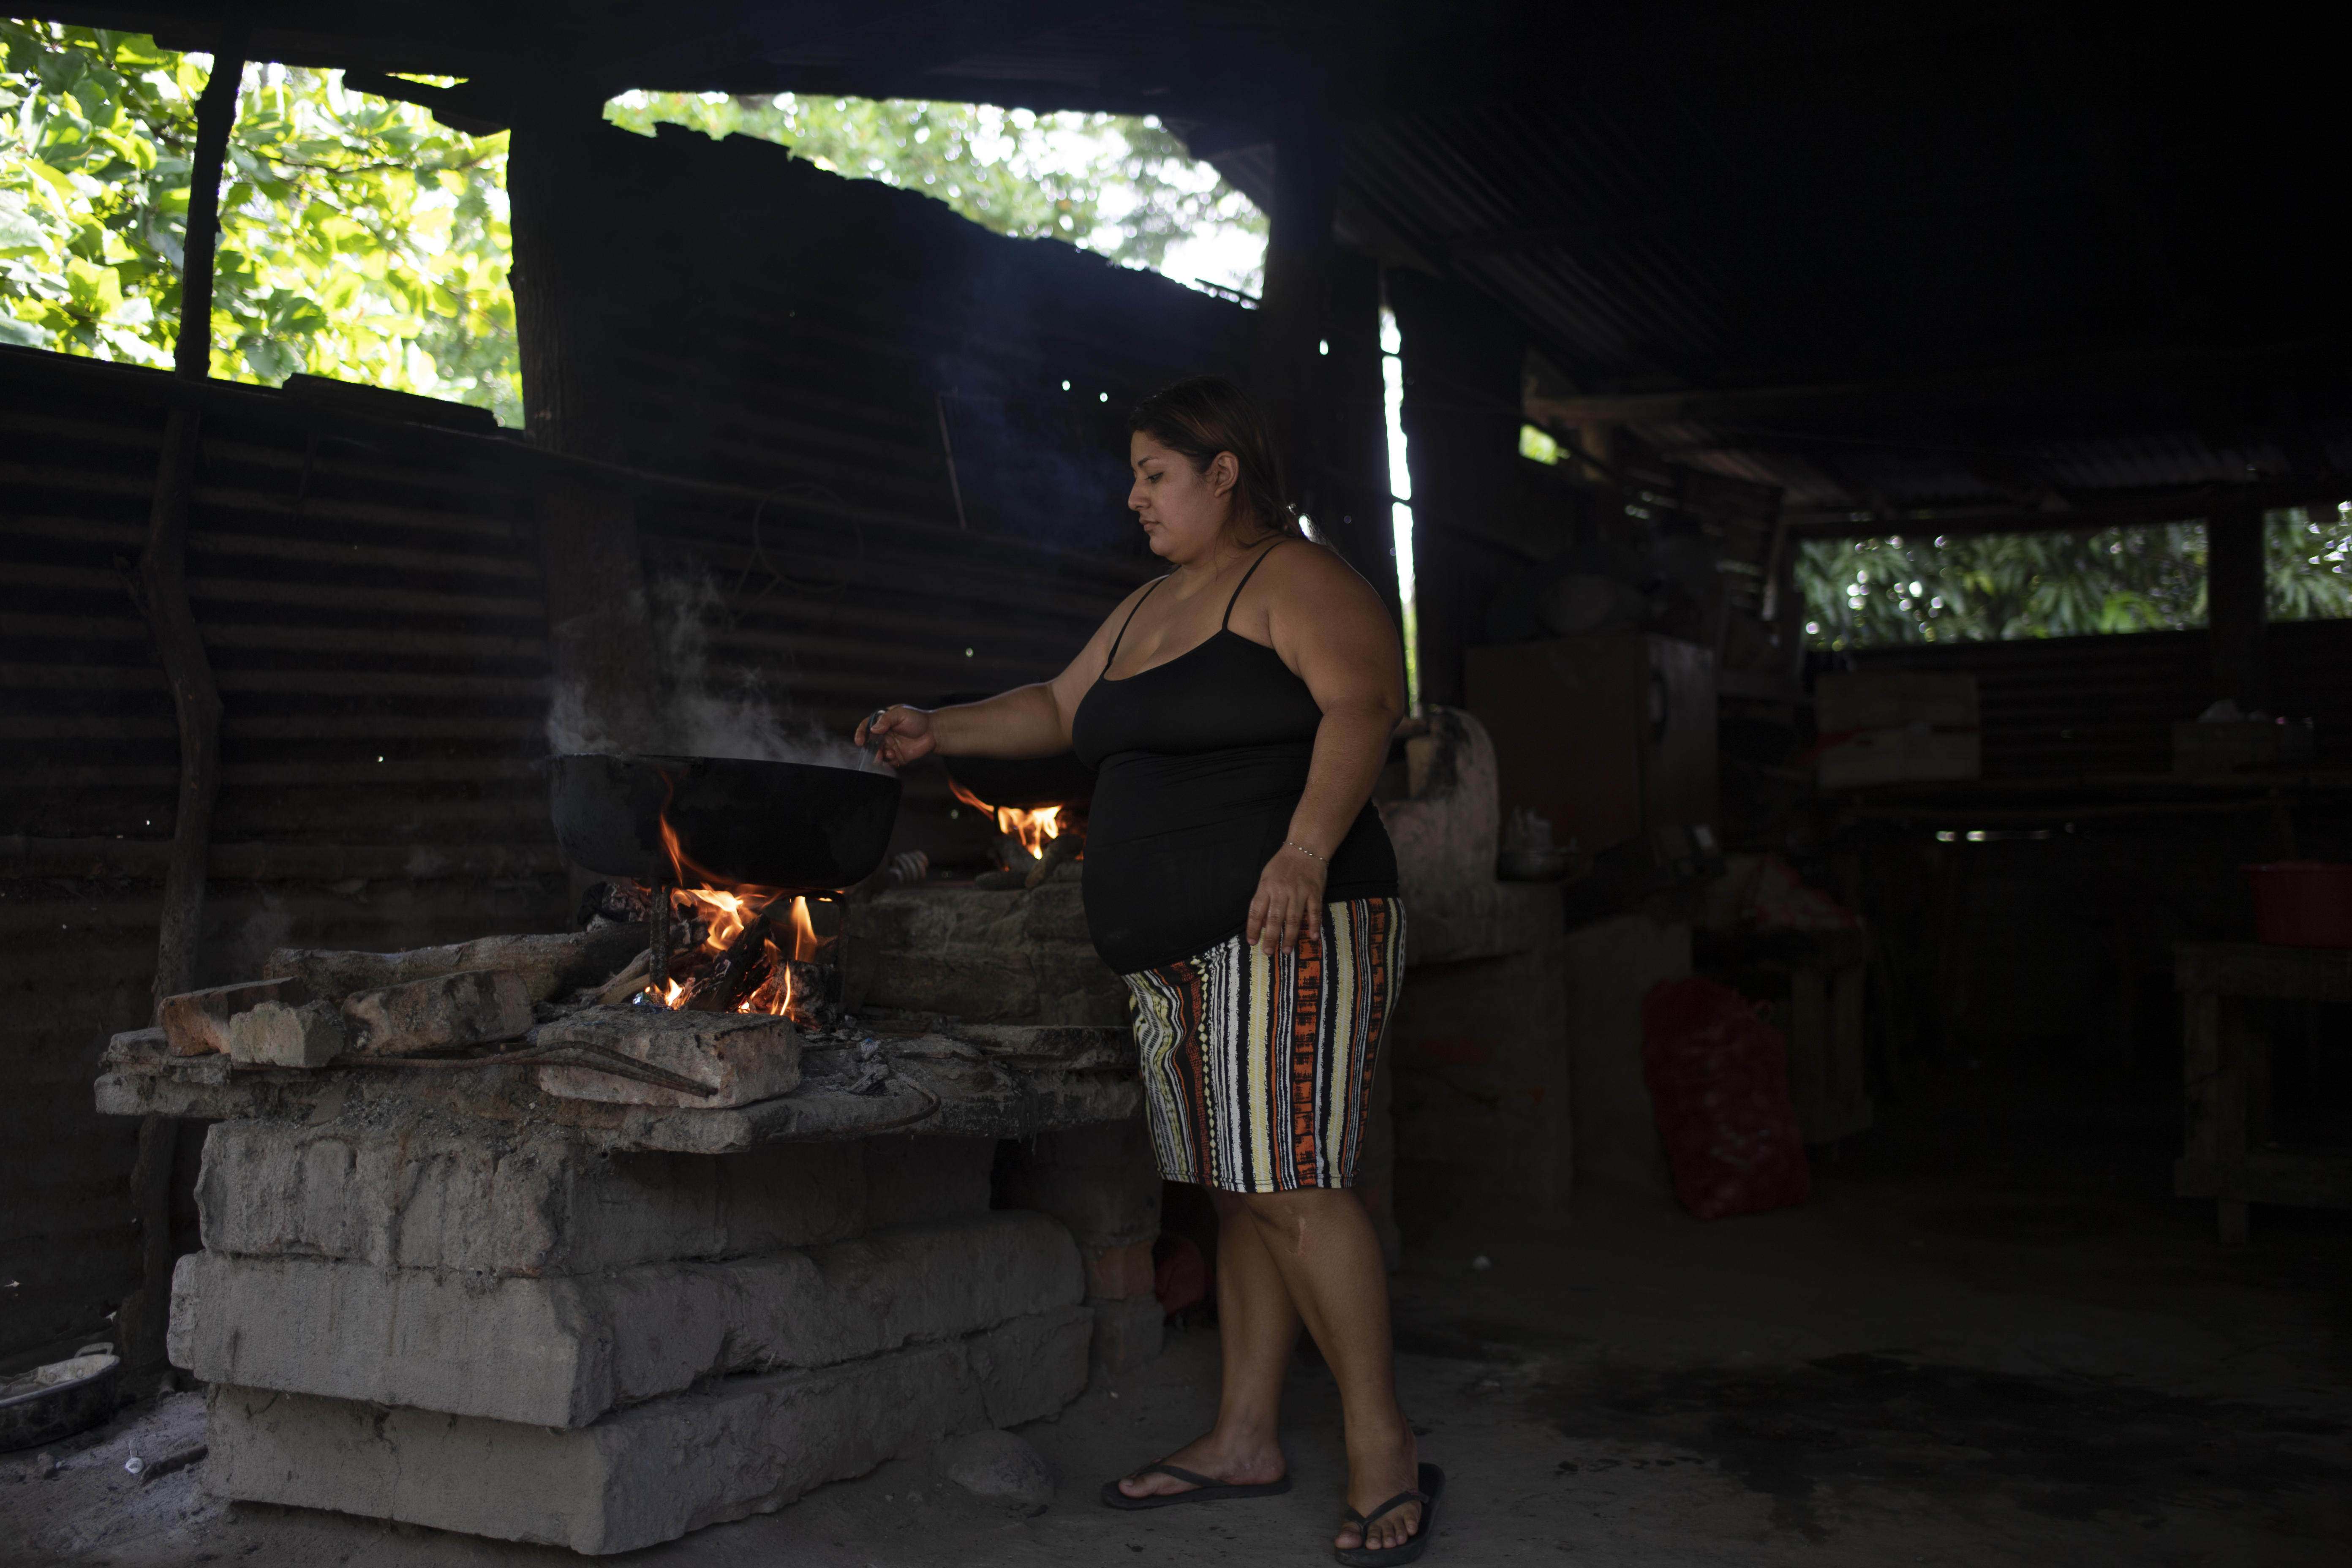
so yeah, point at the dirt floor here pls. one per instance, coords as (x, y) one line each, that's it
(1990, 1340)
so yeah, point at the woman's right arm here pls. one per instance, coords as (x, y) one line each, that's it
(1026, 721)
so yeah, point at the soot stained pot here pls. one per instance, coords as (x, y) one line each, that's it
(792, 827)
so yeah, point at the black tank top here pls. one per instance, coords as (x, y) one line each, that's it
(1201, 761)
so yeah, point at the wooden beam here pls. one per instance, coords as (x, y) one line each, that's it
(2054, 379)
(2184, 505)
(2236, 617)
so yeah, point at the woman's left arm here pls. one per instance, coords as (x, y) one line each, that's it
(1330, 627)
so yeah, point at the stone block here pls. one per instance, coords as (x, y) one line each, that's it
(196, 1023)
(739, 1447)
(490, 1199)
(272, 1033)
(562, 1351)
(1100, 1181)
(981, 985)
(548, 965)
(1117, 1273)
(466, 1007)
(915, 1181)
(744, 1057)
(1127, 1333)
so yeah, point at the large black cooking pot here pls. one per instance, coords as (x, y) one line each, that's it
(791, 826)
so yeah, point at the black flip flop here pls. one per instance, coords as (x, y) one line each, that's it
(1204, 1490)
(1433, 1486)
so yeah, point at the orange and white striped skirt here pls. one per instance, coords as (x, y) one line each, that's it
(1257, 1070)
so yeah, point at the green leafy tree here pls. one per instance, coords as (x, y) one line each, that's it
(1114, 184)
(360, 239)
(1973, 588)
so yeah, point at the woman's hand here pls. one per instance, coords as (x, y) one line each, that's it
(900, 734)
(1289, 901)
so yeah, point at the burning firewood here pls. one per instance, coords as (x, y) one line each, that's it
(728, 980)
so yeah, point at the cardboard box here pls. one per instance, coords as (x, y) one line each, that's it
(1898, 755)
(1893, 699)
(2223, 745)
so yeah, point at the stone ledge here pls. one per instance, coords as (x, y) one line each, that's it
(563, 1352)
(1008, 1081)
(639, 1477)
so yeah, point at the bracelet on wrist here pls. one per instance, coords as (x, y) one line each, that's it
(1319, 859)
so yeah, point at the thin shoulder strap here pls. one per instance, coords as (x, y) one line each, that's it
(1131, 621)
(1236, 599)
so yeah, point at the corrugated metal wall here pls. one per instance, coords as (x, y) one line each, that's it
(2107, 704)
(368, 596)
(369, 591)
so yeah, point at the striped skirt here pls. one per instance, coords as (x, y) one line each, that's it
(1257, 1070)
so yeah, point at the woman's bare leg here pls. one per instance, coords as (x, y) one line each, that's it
(1313, 1255)
(1323, 1243)
(1257, 1328)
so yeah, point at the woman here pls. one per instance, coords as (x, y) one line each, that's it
(1237, 710)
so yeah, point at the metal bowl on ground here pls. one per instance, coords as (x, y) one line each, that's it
(796, 827)
(61, 1398)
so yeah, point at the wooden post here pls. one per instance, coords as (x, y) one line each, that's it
(2236, 615)
(1291, 315)
(591, 568)
(161, 590)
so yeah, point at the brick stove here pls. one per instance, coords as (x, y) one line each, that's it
(534, 1301)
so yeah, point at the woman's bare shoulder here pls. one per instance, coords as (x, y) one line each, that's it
(1308, 567)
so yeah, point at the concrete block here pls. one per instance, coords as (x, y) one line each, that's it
(1127, 1333)
(1117, 1273)
(743, 1445)
(915, 1181)
(469, 1007)
(490, 1200)
(981, 985)
(563, 1352)
(548, 965)
(196, 1023)
(272, 1033)
(742, 1056)
(1100, 1181)
(179, 1346)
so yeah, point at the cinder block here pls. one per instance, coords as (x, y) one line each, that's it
(1101, 1180)
(563, 1352)
(1127, 1333)
(743, 1445)
(490, 1200)
(469, 1007)
(1119, 1273)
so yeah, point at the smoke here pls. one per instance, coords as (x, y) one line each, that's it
(699, 709)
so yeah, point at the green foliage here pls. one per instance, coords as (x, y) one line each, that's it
(1114, 184)
(360, 239)
(1872, 592)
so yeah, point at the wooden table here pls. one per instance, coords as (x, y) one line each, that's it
(2226, 1072)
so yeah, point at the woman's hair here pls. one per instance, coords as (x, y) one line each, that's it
(1203, 415)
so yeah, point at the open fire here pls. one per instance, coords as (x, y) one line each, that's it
(740, 950)
(1033, 830)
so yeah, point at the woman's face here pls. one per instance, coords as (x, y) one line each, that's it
(1182, 509)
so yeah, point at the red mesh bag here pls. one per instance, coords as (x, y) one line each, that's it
(1718, 1078)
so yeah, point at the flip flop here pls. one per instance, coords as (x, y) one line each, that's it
(1433, 1486)
(1204, 1490)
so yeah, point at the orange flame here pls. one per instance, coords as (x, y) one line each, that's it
(724, 915)
(1034, 830)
